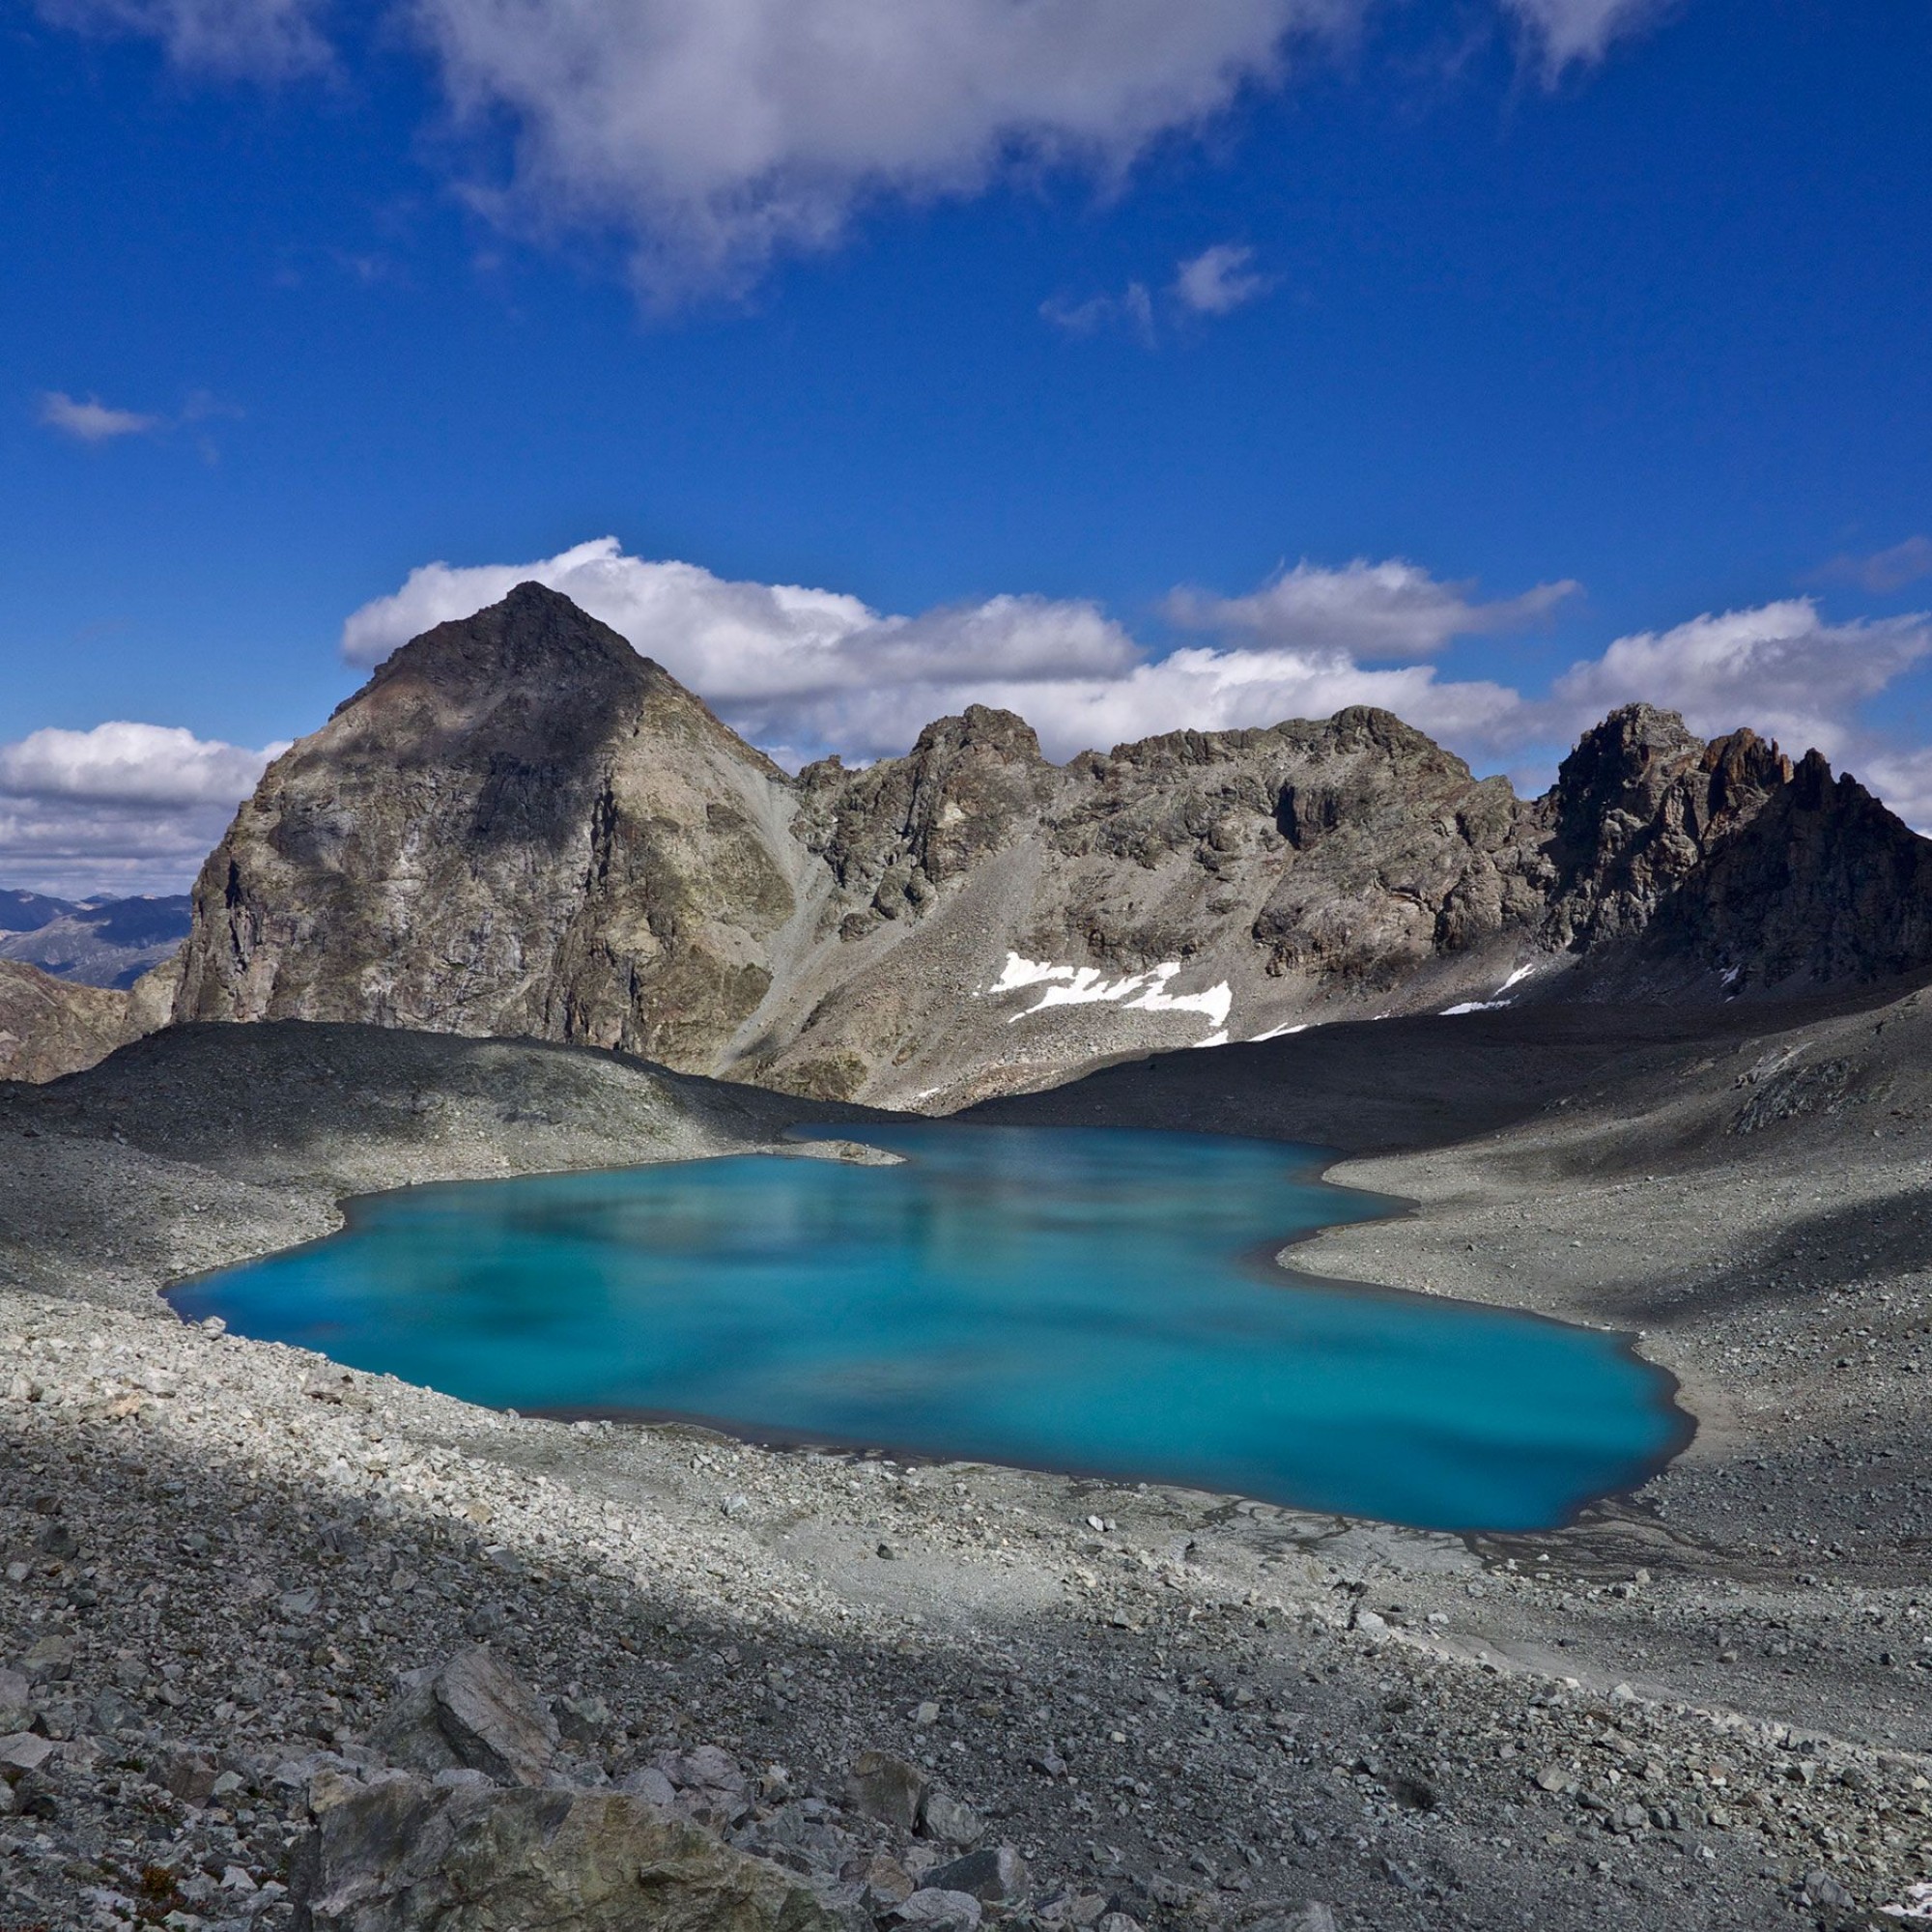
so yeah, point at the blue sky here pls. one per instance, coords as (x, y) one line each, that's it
(1499, 362)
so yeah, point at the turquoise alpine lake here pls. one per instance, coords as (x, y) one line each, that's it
(1096, 1300)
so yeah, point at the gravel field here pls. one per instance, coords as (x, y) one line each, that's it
(1706, 1705)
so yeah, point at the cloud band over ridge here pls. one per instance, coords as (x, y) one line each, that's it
(803, 670)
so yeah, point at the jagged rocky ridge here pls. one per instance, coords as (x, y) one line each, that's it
(520, 826)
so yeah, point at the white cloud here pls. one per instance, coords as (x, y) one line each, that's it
(124, 807)
(92, 420)
(132, 764)
(1392, 609)
(1566, 32)
(1780, 669)
(802, 670)
(1220, 279)
(714, 133)
(721, 130)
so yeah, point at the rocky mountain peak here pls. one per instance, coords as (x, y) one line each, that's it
(1621, 770)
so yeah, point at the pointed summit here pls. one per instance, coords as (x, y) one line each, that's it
(533, 631)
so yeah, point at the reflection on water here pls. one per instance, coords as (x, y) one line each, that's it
(1081, 1298)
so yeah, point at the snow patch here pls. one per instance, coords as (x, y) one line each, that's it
(1085, 985)
(1280, 1031)
(1516, 979)
(1020, 973)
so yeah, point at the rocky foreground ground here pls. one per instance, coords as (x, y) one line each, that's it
(283, 1642)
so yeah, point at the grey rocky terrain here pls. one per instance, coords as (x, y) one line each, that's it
(519, 827)
(236, 1574)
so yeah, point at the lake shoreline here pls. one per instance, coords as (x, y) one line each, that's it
(623, 1561)
(1132, 1327)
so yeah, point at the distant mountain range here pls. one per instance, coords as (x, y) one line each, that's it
(520, 827)
(97, 942)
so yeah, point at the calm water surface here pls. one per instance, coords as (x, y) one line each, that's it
(1092, 1299)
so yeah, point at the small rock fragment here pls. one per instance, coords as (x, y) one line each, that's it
(888, 1883)
(583, 1721)
(49, 1661)
(1822, 1889)
(60, 1542)
(23, 1750)
(16, 1709)
(191, 1777)
(651, 1785)
(1312, 1917)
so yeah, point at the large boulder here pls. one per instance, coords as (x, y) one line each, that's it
(472, 1713)
(403, 1855)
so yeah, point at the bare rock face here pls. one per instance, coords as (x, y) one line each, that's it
(405, 1855)
(49, 1027)
(520, 827)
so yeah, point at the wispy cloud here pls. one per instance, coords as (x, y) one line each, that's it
(1220, 279)
(1387, 610)
(1561, 34)
(1884, 570)
(1131, 309)
(92, 420)
(266, 38)
(1213, 283)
